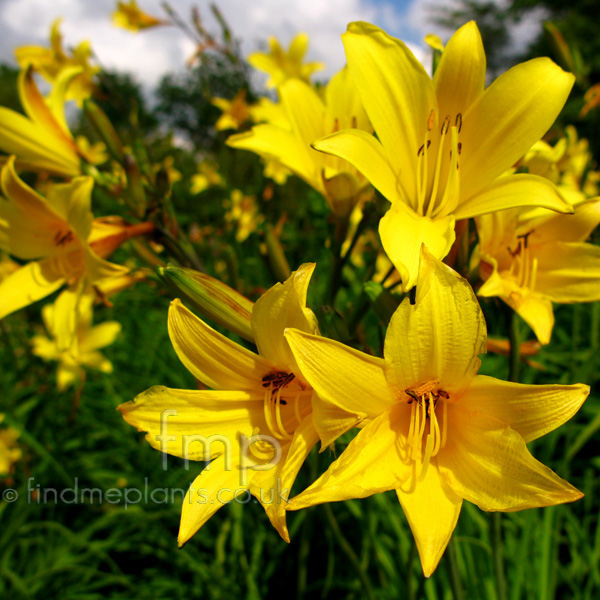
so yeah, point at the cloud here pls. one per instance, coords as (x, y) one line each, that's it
(150, 54)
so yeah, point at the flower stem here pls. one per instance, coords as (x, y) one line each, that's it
(455, 584)
(497, 556)
(514, 356)
(348, 551)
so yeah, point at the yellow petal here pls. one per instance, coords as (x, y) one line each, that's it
(569, 272)
(432, 511)
(305, 109)
(343, 103)
(100, 336)
(273, 487)
(28, 225)
(511, 192)
(403, 232)
(273, 142)
(569, 228)
(195, 424)
(217, 485)
(531, 410)
(350, 385)
(536, 311)
(371, 463)
(67, 374)
(31, 282)
(64, 316)
(283, 306)
(367, 155)
(396, 92)
(72, 201)
(298, 47)
(439, 337)
(95, 360)
(510, 116)
(460, 76)
(487, 463)
(212, 358)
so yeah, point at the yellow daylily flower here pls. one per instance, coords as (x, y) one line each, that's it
(58, 235)
(310, 118)
(432, 429)
(244, 213)
(236, 112)
(255, 422)
(281, 65)
(443, 143)
(51, 62)
(207, 176)
(10, 452)
(41, 140)
(88, 340)
(531, 262)
(130, 16)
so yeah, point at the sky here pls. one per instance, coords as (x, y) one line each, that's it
(150, 54)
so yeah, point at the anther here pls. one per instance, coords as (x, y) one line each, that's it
(336, 125)
(459, 147)
(431, 120)
(458, 121)
(354, 123)
(445, 125)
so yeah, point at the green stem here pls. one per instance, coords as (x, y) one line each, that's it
(348, 551)
(455, 584)
(497, 556)
(514, 357)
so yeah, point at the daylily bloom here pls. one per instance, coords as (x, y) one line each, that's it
(432, 429)
(281, 65)
(58, 235)
(41, 140)
(442, 144)
(235, 112)
(130, 16)
(10, 452)
(51, 62)
(207, 176)
(244, 214)
(531, 262)
(255, 422)
(309, 119)
(84, 351)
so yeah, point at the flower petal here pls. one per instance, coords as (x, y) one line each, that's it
(195, 425)
(531, 410)
(568, 228)
(350, 385)
(439, 337)
(396, 92)
(403, 232)
(273, 487)
(536, 311)
(510, 116)
(460, 76)
(28, 284)
(304, 108)
(432, 511)
(367, 155)
(568, 272)
(100, 336)
(513, 191)
(370, 464)
(280, 307)
(487, 463)
(212, 358)
(217, 485)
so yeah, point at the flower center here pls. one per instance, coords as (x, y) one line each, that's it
(437, 182)
(275, 383)
(428, 430)
(523, 266)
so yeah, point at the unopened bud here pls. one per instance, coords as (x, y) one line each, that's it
(104, 129)
(212, 298)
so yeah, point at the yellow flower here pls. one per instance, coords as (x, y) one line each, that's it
(244, 213)
(442, 144)
(173, 174)
(235, 112)
(83, 352)
(281, 65)
(256, 425)
(532, 262)
(41, 140)
(129, 16)
(432, 429)
(51, 62)
(57, 234)
(207, 176)
(310, 118)
(10, 453)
